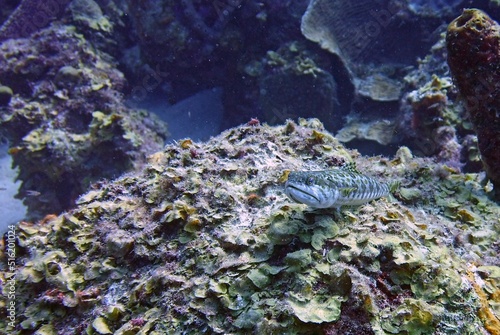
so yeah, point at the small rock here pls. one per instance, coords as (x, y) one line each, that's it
(5, 95)
(119, 243)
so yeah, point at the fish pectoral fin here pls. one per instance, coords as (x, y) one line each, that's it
(394, 186)
(346, 191)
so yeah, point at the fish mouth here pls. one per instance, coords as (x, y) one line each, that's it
(292, 191)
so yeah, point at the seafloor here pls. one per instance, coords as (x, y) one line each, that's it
(203, 240)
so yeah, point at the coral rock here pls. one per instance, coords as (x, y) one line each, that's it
(176, 247)
(67, 121)
(363, 35)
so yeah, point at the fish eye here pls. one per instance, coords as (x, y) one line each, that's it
(310, 180)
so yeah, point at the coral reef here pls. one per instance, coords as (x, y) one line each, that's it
(364, 36)
(88, 14)
(431, 114)
(189, 46)
(431, 121)
(194, 32)
(292, 84)
(381, 131)
(379, 87)
(473, 44)
(203, 238)
(31, 16)
(66, 120)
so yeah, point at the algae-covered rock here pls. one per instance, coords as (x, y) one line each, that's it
(292, 84)
(65, 117)
(89, 14)
(67, 75)
(314, 310)
(178, 248)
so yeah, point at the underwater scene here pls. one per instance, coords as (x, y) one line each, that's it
(250, 167)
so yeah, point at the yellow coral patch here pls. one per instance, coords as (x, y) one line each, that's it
(490, 321)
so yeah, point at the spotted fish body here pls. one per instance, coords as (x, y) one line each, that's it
(333, 188)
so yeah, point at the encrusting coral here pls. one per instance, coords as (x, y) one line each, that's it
(204, 240)
(66, 119)
(473, 44)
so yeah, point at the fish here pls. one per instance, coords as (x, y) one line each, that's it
(32, 193)
(344, 186)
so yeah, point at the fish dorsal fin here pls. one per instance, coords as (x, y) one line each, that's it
(351, 167)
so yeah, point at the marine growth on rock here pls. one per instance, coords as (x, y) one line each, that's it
(473, 43)
(203, 240)
(65, 117)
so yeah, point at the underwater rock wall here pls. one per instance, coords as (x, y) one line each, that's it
(188, 46)
(367, 36)
(203, 238)
(432, 121)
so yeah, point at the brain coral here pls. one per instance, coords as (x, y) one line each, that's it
(203, 240)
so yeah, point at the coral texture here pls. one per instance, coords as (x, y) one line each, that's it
(31, 16)
(431, 121)
(473, 43)
(67, 122)
(203, 240)
(291, 83)
(363, 35)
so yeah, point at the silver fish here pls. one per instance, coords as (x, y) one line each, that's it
(333, 188)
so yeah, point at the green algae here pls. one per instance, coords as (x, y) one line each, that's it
(88, 14)
(314, 309)
(413, 318)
